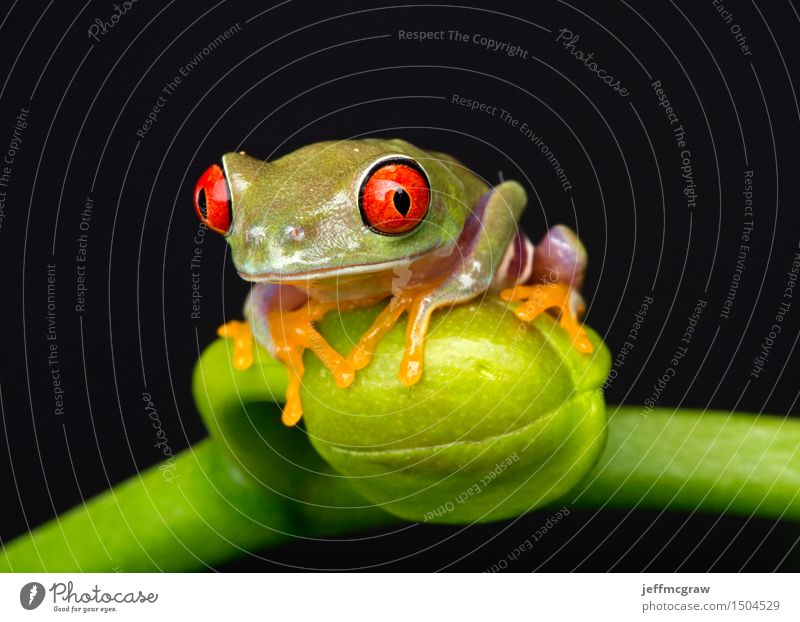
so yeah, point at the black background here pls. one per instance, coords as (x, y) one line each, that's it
(303, 72)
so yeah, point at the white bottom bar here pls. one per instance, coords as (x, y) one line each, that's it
(388, 597)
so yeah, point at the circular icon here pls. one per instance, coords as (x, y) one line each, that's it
(31, 595)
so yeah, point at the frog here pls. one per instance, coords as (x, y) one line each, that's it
(337, 225)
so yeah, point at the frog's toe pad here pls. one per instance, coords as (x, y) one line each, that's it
(411, 368)
(242, 342)
(536, 299)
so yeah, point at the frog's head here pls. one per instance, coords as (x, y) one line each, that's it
(333, 208)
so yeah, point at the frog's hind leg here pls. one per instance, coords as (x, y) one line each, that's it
(560, 257)
(557, 270)
(262, 299)
(265, 298)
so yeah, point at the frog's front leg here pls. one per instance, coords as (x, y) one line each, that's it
(280, 318)
(482, 248)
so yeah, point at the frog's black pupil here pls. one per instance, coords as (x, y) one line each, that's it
(401, 200)
(201, 202)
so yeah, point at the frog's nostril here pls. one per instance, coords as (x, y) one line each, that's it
(254, 235)
(294, 232)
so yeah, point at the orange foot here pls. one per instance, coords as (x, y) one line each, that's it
(536, 299)
(419, 310)
(292, 333)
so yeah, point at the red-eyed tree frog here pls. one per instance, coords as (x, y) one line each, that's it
(350, 223)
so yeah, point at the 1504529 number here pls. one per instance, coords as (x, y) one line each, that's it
(757, 605)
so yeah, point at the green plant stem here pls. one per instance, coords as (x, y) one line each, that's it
(680, 460)
(209, 514)
(150, 523)
(686, 460)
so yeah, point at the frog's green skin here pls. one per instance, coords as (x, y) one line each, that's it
(298, 232)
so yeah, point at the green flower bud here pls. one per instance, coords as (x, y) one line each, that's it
(507, 417)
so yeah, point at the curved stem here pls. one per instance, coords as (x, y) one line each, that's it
(692, 460)
(213, 512)
(201, 512)
(197, 512)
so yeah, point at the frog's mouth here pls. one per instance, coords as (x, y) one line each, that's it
(423, 260)
(318, 274)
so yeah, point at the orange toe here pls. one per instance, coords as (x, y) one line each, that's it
(536, 299)
(364, 350)
(242, 342)
(292, 333)
(411, 365)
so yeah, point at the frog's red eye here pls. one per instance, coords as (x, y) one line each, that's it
(212, 201)
(394, 198)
